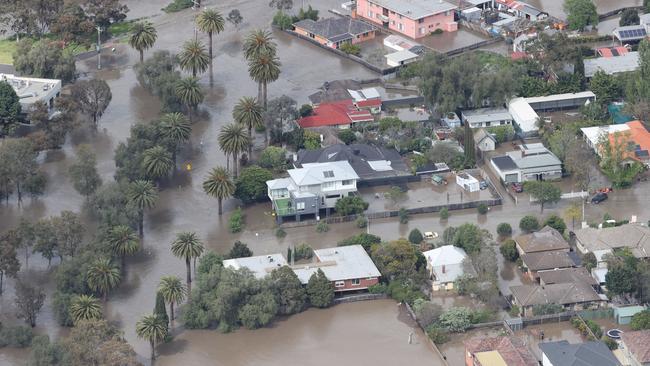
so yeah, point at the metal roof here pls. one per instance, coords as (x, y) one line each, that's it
(416, 9)
(401, 56)
(504, 163)
(486, 115)
(593, 353)
(318, 173)
(612, 65)
(560, 97)
(446, 262)
(260, 265)
(338, 264)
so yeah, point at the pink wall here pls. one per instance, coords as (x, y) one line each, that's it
(409, 27)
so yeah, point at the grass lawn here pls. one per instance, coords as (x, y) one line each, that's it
(7, 48)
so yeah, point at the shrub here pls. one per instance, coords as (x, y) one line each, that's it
(282, 20)
(545, 309)
(415, 236)
(378, 288)
(302, 251)
(347, 136)
(437, 334)
(363, 239)
(404, 293)
(556, 222)
(514, 311)
(16, 336)
(529, 224)
(350, 49)
(236, 221)
(610, 343)
(482, 208)
(444, 213)
(481, 316)
(589, 261)
(456, 319)
(403, 216)
(178, 5)
(251, 184)
(280, 233)
(306, 110)
(350, 205)
(361, 222)
(322, 227)
(509, 250)
(274, 158)
(504, 229)
(640, 320)
(240, 250)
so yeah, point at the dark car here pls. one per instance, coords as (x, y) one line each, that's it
(517, 187)
(598, 198)
(483, 184)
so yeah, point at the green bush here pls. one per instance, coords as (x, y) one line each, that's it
(306, 110)
(415, 236)
(274, 158)
(437, 334)
(378, 288)
(504, 229)
(236, 221)
(546, 309)
(529, 224)
(361, 222)
(17, 336)
(280, 233)
(437, 32)
(402, 292)
(178, 5)
(482, 208)
(509, 251)
(363, 239)
(350, 49)
(302, 251)
(347, 136)
(282, 20)
(444, 213)
(350, 205)
(640, 320)
(322, 227)
(556, 222)
(610, 343)
(403, 216)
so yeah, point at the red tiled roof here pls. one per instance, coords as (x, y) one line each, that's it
(637, 134)
(612, 51)
(638, 343)
(513, 350)
(335, 113)
(376, 102)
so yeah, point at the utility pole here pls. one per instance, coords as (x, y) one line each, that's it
(99, 48)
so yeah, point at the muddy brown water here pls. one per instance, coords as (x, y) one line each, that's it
(556, 7)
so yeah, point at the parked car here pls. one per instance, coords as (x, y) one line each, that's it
(598, 198)
(483, 185)
(517, 187)
(430, 235)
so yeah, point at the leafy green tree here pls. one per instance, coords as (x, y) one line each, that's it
(556, 223)
(444, 213)
(529, 224)
(236, 221)
(468, 145)
(157, 162)
(142, 195)
(160, 310)
(187, 245)
(259, 310)
(44, 353)
(320, 290)
(233, 141)
(68, 232)
(288, 291)
(311, 140)
(235, 17)
(83, 172)
(580, 13)
(504, 229)
(264, 68)
(9, 108)
(103, 276)
(350, 205)
(189, 93)
(18, 163)
(95, 342)
(175, 128)
(84, 308)
(396, 260)
(546, 309)
(363, 239)
(143, 36)
(456, 319)
(123, 241)
(172, 290)
(251, 184)
(257, 42)
(613, 154)
(153, 329)
(209, 261)
(640, 320)
(158, 74)
(470, 237)
(210, 21)
(415, 236)
(274, 158)
(606, 87)
(621, 279)
(509, 250)
(239, 250)
(193, 57)
(544, 192)
(482, 208)
(629, 17)
(29, 301)
(350, 49)
(219, 185)
(44, 59)
(248, 112)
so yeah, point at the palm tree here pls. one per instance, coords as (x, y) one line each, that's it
(264, 68)
(176, 128)
(123, 241)
(233, 140)
(219, 185)
(142, 194)
(85, 307)
(256, 42)
(103, 276)
(189, 92)
(248, 112)
(193, 57)
(187, 245)
(143, 36)
(157, 162)
(151, 328)
(210, 21)
(173, 291)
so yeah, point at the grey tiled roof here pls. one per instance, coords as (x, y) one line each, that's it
(335, 29)
(504, 163)
(582, 354)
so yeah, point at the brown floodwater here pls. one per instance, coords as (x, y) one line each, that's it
(555, 7)
(362, 333)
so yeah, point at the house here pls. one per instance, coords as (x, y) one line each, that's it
(349, 268)
(634, 134)
(445, 265)
(566, 275)
(571, 295)
(467, 182)
(630, 33)
(32, 90)
(636, 347)
(312, 188)
(563, 353)
(398, 43)
(526, 11)
(498, 351)
(484, 141)
(612, 51)
(401, 58)
(333, 32)
(556, 102)
(486, 117)
(626, 62)
(372, 164)
(413, 18)
(367, 99)
(545, 261)
(451, 120)
(524, 116)
(545, 240)
(601, 242)
(594, 135)
(342, 114)
(624, 314)
(260, 265)
(531, 162)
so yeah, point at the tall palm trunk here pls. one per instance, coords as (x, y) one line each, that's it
(153, 349)
(141, 223)
(227, 162)
(189, 273)
(220, 207)
(210, 46)
(268, 128)
(235, 164)
(250, 146)
(171, 308)
(141, 56)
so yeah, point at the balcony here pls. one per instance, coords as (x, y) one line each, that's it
(283, 207)
(383, 18)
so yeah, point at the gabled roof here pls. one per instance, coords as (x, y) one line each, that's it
(260, 265)
(558, 293)
(612, 65)
(594, 353)
(446, 262)
(566, 275)
(338, 264)
(416, 9)
(638, 343)
(630, 32)
(322, 173)
(485, 115)
(546, 239)
(513, 350)
(612, 51)
(335, 29)
(481, 135)
(540, 261)
(633, 236)
(342, 112)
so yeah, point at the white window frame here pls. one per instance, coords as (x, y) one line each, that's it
(339, 284)
(355, 282)
(300, 206)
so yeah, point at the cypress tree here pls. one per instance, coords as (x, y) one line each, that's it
(160, 308)
(469, 146)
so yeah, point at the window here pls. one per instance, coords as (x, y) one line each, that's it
(328, 174)
(392, 22)
(329, 185)
(339, 284)
(347, 182)
(356, 282)
(423, 30)
(370, 14)
(300, 206)
(400, 26)
(421, 20)
(333, 196)
(487, 124)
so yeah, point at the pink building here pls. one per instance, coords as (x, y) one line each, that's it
(413, 18)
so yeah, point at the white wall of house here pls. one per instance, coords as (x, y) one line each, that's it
(546, 361)
(507, 175)
(487, 144)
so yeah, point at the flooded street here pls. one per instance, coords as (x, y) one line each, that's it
(361, 333)
(556, 7)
